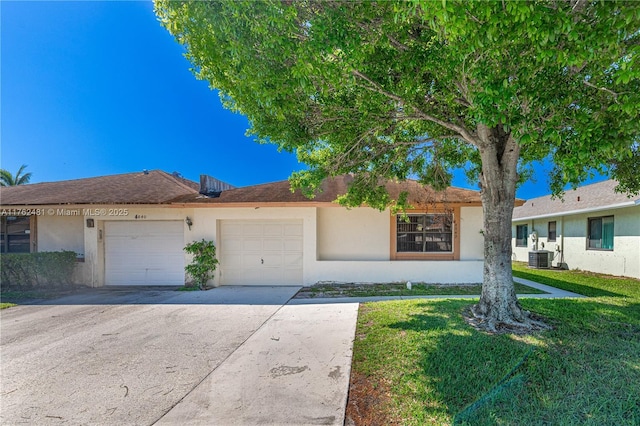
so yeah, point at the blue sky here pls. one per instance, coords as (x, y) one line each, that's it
(97, 88)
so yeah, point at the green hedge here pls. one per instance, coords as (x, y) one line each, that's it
(29, 270)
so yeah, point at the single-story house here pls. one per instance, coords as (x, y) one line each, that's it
(592, 228)
(130, 229)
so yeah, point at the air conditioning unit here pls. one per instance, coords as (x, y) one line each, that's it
(540, 259)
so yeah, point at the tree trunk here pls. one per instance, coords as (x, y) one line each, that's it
(498, 305)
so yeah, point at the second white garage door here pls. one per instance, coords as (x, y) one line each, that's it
(267, 252)
(144, 253)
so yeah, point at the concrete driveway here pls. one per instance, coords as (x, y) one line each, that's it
(232, 355)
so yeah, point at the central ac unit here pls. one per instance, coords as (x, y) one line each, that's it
(540, 259)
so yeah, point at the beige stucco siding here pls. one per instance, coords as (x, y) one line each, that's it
(337, 244)
(427, 271)
(356, 234)
(570, 247)
(56, 233)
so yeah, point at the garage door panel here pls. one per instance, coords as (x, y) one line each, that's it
(232, 244)
(273, 245)
(251, 259)
(251, 229)
(272, 260)
(252, 244)
(233, 230)
(144, 253)
(292, 245)
(270, 252)
(233, 260)
(292, 260)
(272, 230)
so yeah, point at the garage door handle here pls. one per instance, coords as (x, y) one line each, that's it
(262, 261)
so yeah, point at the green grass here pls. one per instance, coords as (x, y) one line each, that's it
(399, 289)
(434, 369)
(5, 305)
(585, 283)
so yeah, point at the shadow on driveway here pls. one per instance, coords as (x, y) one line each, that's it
(169, 295)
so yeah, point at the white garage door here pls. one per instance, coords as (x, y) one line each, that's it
(144, 253)
(267, 252)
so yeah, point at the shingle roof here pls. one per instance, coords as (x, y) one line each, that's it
(158, 187)
(153, 187)
(280, 192)
(596, 196)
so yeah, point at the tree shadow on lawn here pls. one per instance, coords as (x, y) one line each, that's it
(585, 371)
(583, 289)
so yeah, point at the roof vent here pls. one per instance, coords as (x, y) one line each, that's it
(145, 171)
(213, 187)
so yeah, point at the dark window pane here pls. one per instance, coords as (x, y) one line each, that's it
(551, 236)
(427, 233)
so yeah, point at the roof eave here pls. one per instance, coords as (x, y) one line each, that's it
(579, 211)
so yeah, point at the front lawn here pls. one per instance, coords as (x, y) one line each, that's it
(418, 363)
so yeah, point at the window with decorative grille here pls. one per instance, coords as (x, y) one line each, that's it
(425, 233)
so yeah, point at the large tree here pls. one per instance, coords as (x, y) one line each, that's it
(20, 178)
(399, 89)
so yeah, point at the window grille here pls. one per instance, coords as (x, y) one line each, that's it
(425, 233)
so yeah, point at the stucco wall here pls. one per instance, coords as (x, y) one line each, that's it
(356, 234)
(56, 233)
(351, 245)
(623, 260)
(430, 271)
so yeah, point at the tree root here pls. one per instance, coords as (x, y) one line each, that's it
(527, 323)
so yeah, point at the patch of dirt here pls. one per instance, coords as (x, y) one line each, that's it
(367, 404)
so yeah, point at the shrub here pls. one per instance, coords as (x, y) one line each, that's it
(204, 262)
(44, 269)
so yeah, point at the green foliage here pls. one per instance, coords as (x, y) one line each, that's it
(32, 270)
(413, 89)
(399, 89)
(204, 261)
(20, 178)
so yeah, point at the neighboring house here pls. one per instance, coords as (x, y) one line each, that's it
(131, 229)
(591, 228)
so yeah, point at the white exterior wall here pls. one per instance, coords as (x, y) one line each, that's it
(338, 244)
(427, 271)
(471, 239)
(59, 232)
(56, 233)
(623, 260)
(356, 234)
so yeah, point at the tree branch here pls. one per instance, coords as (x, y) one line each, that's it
(609, 91)
(375, 87)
